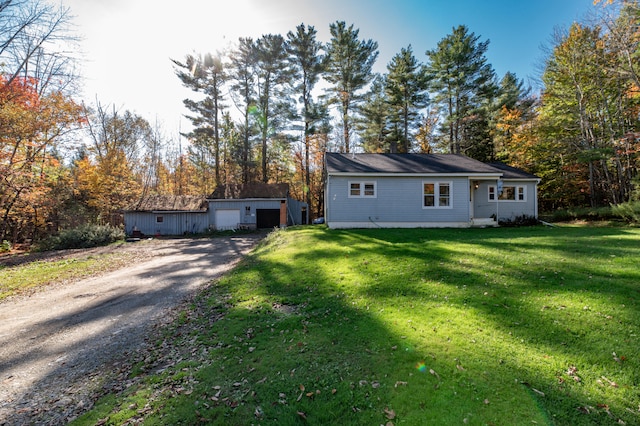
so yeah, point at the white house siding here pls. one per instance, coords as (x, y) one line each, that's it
(173, 223)
(398, 203)
(505, 210)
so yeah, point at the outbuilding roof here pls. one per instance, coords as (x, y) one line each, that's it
(416, 164)
(170, 203)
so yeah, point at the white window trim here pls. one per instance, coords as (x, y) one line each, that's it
(436, 186)
(362, 184)
(516, 192)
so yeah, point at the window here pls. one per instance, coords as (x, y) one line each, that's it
(362, 189)
(492, 193)
(436, 195)
(159, 219)
(509, 193)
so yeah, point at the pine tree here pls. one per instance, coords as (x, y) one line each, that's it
(373, 124)
(406, 92)
(349, 70)
(242, 76)
(464, 84)
(308, 63)
(272, 73)
(204, 75)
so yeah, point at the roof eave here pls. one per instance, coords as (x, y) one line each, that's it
(248, 199)
(422, 174)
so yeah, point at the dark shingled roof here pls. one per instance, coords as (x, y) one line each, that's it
(251, 190)
(405, 163)
(509, 172)
(170, 203)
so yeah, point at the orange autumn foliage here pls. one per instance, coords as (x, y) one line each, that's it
(30, 127)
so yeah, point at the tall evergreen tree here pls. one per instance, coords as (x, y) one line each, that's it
(406, 92)
(308, 63)
(464, 84)
(349, 69)
(272, 73)
(242, 75)
(204, 75)
(373, 124)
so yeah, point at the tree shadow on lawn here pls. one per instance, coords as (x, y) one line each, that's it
(556, 324)
(407, 326)
(299, 345)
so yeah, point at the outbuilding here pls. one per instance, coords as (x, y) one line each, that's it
(250, 206)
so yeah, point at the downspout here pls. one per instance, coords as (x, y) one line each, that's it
(326, 201)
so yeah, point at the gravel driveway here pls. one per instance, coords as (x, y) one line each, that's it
(57, 343)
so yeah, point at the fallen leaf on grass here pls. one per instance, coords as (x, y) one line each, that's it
(616, 358)
(389, 413)
(258, 412)
(302, 415)
(610, 382)
(585, 410)
(400, 383)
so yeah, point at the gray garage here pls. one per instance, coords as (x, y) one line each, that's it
(251, 206)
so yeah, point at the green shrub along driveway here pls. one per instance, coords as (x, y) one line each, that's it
(476, 326)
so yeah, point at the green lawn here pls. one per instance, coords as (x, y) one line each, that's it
(513, 326)
(36, 275)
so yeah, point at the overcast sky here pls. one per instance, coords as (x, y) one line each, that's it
(127, 44)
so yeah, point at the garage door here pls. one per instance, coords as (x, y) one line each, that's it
(227, 219)
(268, 218)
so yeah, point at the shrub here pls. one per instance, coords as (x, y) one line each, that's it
(630, 211)
(524, 220)
(584, 213)
(85, 236)
(5, 246)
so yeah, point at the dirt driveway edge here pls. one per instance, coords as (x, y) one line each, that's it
(60, 346)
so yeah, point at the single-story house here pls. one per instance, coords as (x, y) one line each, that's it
(424, 190)
(250, 206)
